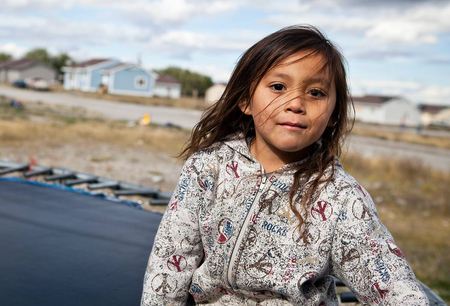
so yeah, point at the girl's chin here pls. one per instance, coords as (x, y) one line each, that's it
(298, 151)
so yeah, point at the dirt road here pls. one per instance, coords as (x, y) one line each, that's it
(185, 118)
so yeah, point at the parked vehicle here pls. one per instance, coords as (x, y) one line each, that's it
(20, 84)
(37, 84)
(41, 85)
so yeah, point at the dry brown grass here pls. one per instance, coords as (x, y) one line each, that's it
(56, 125)
(55, 133)
(408, 136)
(413, 202)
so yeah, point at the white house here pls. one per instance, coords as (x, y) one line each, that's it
(386, 110)
(433, 114)
(167, 86)
(213, 93)
(24, 69)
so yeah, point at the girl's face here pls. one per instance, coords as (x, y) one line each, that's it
(291, 107)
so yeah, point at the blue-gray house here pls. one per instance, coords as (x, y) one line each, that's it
(87, 75)
(115, 77)
(129, 79)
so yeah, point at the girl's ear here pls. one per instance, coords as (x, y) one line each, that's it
(245, 108)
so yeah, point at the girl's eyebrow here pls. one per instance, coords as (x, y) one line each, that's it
(279, 75)
(324, 81)
(314, 79)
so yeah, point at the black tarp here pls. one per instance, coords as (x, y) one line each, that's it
(59, 246)
(62, 247)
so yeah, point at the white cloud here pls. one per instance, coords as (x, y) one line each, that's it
(33, 5)
(287, 6)
(436, 94)
(164, 12)
(385, 87)
(16, 22)
(216, 72)
(149, 12)
(417, 23)
(420, 24)
(45, 30)
(168, 30)
(12, 49)
(415, 91)
(187, 41)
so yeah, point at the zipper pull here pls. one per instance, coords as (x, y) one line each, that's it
(263, 178)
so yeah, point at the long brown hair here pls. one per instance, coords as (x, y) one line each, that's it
(225, 118)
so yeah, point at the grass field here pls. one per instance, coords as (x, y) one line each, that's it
(412, 200)
(409, 136)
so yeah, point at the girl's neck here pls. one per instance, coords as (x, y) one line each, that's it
(272, 159)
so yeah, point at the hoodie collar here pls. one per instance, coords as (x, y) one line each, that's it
(238, 143)
(241, 145)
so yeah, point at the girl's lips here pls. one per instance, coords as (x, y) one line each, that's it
(293, 125)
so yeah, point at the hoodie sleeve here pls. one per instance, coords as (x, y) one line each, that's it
(177, 250)
(366, 258)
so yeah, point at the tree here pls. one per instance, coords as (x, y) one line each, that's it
(5, 57)
(59, 61)
(39, 54)
(56, 62)
(192, 83)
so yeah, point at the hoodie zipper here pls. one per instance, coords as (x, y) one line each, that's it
(240, 237)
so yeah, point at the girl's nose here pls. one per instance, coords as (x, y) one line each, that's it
(295, 103)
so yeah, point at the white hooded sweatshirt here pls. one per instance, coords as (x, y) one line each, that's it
(229, 237)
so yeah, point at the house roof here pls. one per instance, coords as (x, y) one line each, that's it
(166, 79)
(432, 108)
(19, 64)
(118, 67)
(90, 62)
(373, 99)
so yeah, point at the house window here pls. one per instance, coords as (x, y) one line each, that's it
(140, 82)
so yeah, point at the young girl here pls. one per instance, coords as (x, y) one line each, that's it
(264, 214)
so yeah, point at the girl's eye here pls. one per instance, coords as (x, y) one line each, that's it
(278, 87)
(317, 93)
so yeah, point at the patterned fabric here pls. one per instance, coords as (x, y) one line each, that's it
(229, 237)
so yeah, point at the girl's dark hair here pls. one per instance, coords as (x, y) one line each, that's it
(225, 117)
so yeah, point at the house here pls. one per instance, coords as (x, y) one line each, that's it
(213, 93)
(24, 69)
(115, 77)
(389, 110)
(167, 86)
(128, 79)
(87, 75)
(436, 115)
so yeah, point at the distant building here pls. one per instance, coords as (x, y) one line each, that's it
(115, 77)
(128, 79)
(25, 69)
(386, 110)
(87, 75)
(213, 93)
(435, 115)
(167, 86)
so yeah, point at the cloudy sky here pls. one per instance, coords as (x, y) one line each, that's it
(392, 47)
